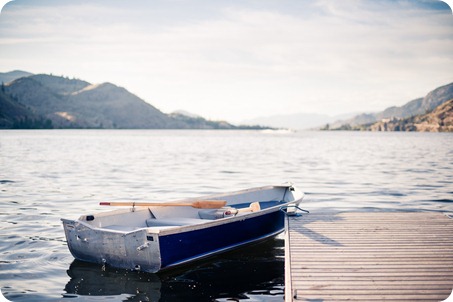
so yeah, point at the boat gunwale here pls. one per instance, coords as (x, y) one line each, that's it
(169, 230)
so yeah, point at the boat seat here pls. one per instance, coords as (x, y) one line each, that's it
(176, 221)
(217, 213)
(159, 228)
(122, 228)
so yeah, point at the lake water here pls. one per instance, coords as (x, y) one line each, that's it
(47, 175)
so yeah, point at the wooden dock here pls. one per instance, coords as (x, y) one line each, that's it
(374, 256)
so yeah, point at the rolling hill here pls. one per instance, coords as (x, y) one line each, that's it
(439, 120)
(61, 102)
(412, 110)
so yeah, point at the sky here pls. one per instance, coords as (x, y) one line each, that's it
(239, 59)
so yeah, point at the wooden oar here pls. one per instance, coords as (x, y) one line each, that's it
(199, 204)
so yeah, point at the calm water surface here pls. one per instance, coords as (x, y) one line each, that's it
(47, 175)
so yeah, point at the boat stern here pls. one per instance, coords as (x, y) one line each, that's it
(135, 250)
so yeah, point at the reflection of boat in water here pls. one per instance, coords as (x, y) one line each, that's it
(160, 236)
(94, 280)
(240, 274)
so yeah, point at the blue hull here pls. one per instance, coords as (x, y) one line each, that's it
(187, 246)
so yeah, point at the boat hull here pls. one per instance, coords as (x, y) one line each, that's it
(132, 250)
(122, 239)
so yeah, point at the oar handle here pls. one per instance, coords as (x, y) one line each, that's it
(254, 207)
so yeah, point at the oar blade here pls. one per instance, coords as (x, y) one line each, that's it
(209, 204)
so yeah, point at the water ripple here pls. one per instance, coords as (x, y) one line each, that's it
(47, 175)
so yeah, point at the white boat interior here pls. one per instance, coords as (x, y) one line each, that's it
(157, 218)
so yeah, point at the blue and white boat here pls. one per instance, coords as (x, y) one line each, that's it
(155, 236)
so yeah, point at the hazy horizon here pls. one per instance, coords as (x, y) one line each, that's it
(239, 60)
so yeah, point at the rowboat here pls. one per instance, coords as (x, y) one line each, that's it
(152, 236)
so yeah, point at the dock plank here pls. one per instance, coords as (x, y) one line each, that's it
(375, 256)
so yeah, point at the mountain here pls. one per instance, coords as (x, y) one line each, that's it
(78, 104)
(15, 115)
(415, 107)
(439, 120)
(6, 77)
(73, 103)
(109, 106)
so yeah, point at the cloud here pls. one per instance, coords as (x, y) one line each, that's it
(236, 58)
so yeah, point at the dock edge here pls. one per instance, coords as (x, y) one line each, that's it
(288, 280)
